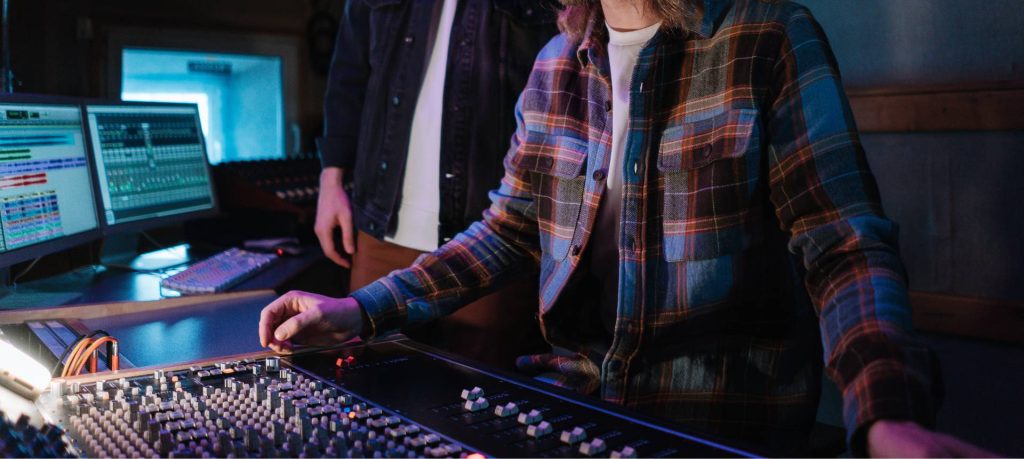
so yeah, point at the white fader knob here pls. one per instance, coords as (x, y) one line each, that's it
(593, 447)
(506, 410)
(472, 394)
(477, 404)
(574, 436)
(530, 418)
(539, 430)
(625, 453)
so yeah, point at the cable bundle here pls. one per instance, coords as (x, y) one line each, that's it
(84, 351)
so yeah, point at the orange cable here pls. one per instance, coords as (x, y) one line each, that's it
(74, 354)
(87, 354)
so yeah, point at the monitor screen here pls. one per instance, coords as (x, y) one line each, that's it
(151, 162)
(45, 186)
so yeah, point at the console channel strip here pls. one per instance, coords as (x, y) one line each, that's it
(384, 399)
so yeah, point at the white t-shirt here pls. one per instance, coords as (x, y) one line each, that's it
(419, 212)
(623, 51)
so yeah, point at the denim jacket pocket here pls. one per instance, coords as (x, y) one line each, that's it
(709, 169)
(556, 165)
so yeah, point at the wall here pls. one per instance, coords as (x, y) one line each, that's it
(956, 195)
(59, 46)
(952, 193)
(253, 96)
(915, 42)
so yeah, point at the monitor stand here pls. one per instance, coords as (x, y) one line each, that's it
(122, 252)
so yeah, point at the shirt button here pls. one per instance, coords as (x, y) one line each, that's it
(529, 11)
(409, 39)
(372, 226)
(383, 165)
(576, 250)
(396, 100)
(449, 175)
(636, 168)
(547, 161)
(705, 152)
(607, 106)
(600, 174)
(455, 108)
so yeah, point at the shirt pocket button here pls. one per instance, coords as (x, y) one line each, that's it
(705, 152)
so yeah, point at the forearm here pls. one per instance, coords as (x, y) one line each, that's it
(475, 263)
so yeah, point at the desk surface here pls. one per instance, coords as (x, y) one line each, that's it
(97, 284)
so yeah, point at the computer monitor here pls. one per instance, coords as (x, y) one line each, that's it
(151, 164)
(46, 190)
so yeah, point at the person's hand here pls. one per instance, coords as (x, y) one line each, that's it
(909, 439)
(306, 318)
(334, 211)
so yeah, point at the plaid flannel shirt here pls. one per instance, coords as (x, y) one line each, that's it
(752, 248)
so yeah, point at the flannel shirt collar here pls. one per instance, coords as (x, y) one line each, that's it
(708, 17)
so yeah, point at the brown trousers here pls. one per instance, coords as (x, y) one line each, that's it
(494, 329)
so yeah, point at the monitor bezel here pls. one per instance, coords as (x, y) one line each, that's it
(41, 249)
(138, 226)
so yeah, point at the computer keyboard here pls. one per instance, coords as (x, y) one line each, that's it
(219, 272)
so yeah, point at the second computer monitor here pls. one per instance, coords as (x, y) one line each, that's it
(151, 163)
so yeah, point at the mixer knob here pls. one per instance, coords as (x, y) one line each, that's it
(273, 363)
(439, 451)
(293, 444)
(57, 388)
(252, 438)
(625, 453)
(593, 447)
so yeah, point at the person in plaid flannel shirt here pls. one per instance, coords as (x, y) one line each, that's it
(687, 182)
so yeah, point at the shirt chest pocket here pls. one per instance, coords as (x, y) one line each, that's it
(556, 165)
(709, 171)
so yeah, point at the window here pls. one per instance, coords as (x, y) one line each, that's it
(239, 96)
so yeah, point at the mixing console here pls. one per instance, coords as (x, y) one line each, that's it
(387, 399)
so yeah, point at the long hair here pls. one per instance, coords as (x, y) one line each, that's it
(577, 14)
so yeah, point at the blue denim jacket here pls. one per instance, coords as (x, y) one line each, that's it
(374, 82)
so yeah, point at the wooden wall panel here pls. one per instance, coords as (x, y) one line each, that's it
(979, 107)
(969, 317)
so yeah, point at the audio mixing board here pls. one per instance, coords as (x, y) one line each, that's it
(385, 399)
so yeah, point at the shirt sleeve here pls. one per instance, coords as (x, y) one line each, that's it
(346, 88)
(825, 195)
(500, 248)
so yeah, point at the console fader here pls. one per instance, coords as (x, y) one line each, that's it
(386, 399)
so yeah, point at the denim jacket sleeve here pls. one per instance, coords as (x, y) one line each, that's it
(346, 88)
